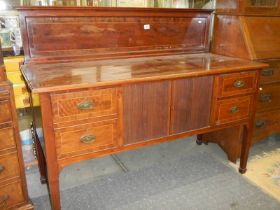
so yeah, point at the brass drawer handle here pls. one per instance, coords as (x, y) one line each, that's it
(234, 109)
(85, 105)
(2, 168)
(267, 72)
(3, 200)
(260, 124)
(265, 97)
(239, 84)
(88, 139)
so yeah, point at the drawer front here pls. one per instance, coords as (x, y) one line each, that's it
(230, 110)
(86, 138)
(9, 166)
(269, 97)
(266, 124)
(11, 195)
(237, 84)
(15, 77)
(272, 73)
(7, 139)
(84, 104)
(5, 110)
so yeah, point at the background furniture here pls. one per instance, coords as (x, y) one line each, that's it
(251, 30)
(117, 79)
(22, 98)
(13, 191)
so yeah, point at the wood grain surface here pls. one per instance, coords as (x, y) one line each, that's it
(146, 111)
(59, 34)
(69, 76)
(191, 104)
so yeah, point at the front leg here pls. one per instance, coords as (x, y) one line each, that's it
(50, 148)
(246, 143)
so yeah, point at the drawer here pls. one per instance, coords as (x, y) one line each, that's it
(84, 104)
(266, 124)
(9, 166)
(235, 109)
(236, 84)
(11, 195)
(15, 77)
(86, 138)
(272, 73)
(7, 139)
(269, 97)
(5, 110)
(13, 63)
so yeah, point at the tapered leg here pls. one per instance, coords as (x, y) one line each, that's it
(53, 184)
(246, 143)
(50, 147)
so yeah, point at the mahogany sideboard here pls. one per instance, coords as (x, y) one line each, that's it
(13, 190)
(251, 30)
(116, 79)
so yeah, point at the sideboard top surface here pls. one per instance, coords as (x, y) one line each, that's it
(75, 75)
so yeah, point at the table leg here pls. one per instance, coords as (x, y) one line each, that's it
(50, 147)
(246, 143)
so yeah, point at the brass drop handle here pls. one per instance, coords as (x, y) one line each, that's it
(239, 84)
(265, 97)
(267, 72)
(3, 200)
(260, 124)
(85, 105)
(88, 139)
(234, 109)
(2, 168)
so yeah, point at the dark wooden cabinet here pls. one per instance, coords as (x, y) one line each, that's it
(13, 190)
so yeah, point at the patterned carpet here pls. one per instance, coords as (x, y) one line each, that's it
(264, 171)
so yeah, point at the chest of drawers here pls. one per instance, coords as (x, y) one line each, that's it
(268, 108)
(13, 190)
